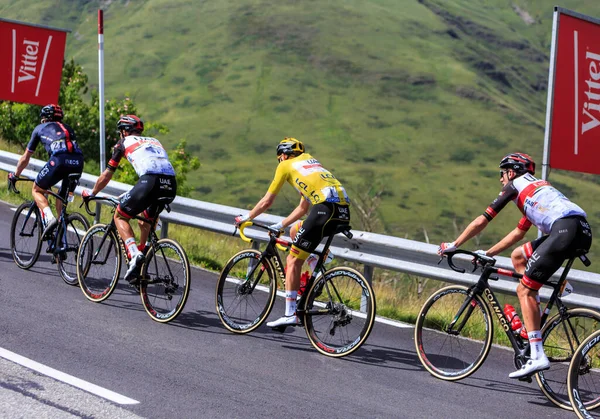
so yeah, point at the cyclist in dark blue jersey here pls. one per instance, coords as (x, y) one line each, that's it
(65, 157)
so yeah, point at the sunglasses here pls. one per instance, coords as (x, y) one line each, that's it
(503, 172)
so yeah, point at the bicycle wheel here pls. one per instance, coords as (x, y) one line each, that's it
(246, 291)
(453, 333)
(166, 280)
(340, 312)
(562, 335)
(98, 263)
(583, 382)
(26, 235)
(69, 243)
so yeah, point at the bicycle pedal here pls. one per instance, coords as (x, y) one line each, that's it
(526, 379)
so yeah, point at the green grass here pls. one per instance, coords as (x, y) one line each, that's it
(416, 99)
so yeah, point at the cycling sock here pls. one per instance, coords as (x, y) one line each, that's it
(132, 249)
(537, 348)
(48, 216)
(290, 302)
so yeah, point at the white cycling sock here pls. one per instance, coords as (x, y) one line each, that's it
(290, 302)
(48, 216)
(132, 248)
(537, 347)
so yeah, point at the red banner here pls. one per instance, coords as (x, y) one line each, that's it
(32, 60)
(575, 133)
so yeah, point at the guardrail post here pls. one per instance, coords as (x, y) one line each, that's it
(164, 231)
(98, 210)
(368, 274)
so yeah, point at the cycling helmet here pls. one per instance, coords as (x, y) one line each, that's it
(519, 162)
(290, 146)
(52, 112)
(130, 123)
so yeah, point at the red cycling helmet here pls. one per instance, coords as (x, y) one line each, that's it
(519, 162)
(130, 123)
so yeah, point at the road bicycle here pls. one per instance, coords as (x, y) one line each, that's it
(583, 380)
(165, 276)
(337, 309)
(454, 330)
(62, 243)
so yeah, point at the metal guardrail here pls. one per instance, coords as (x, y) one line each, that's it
(369, 249)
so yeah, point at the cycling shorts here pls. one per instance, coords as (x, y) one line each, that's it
(568, 237)
(58, 168)
(143, 197)
(322, 221)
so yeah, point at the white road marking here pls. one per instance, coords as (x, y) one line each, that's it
(66, 378)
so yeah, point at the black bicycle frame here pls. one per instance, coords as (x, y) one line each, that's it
(483, 289)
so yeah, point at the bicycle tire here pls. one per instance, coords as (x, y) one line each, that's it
(440, 352)
(242, 309)
(160, 285)
(94, 282)
(340, 312)
(583, 380)
(559, 346)
(29, 225)
(77, 226)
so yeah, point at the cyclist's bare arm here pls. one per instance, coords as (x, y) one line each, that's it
(102, 181)
(297, 213)
(262, 205)
(473, 229)
(23, 162)
(511, 238)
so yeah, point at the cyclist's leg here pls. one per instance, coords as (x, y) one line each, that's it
(70, 163)
(167, 188)
(46, 178)
(133, 203)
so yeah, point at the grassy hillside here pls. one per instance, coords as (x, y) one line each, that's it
(415, 100)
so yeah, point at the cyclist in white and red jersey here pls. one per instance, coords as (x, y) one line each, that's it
(566, 233)
(156, 180)
(65, 158)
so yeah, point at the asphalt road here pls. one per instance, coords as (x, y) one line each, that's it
(195, 368)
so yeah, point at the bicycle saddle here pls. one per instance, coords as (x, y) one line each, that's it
(344, 229)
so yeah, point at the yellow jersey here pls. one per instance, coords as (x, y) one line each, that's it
(315, 183)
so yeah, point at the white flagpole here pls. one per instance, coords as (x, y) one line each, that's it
(101, 97)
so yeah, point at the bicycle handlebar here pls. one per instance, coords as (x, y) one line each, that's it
(86, 200)
(12, 186)
(478, 260)
(272, 233)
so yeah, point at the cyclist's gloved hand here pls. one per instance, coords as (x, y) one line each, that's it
(446, 247)
(12, 178)
(276, 226)
(480, 252)
(241, 219)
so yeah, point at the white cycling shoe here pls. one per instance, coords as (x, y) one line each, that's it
(285, 321)
(531, 367)
(133, 271)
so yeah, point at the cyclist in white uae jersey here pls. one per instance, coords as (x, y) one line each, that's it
(566, 230)
(156, 180)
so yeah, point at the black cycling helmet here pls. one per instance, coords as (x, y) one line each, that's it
(52, 112)
(130, 123)
(519, 162)
(290, 146)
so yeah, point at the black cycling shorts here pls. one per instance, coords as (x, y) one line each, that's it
(58, 168)
(143, 197)
(568, 237)
(322, 221)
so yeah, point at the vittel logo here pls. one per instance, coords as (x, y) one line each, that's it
(29, 60)
(591, 104)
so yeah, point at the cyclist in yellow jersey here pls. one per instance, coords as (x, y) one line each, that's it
(330, 208)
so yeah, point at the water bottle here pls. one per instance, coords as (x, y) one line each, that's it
(71, 197)
(515, 321)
